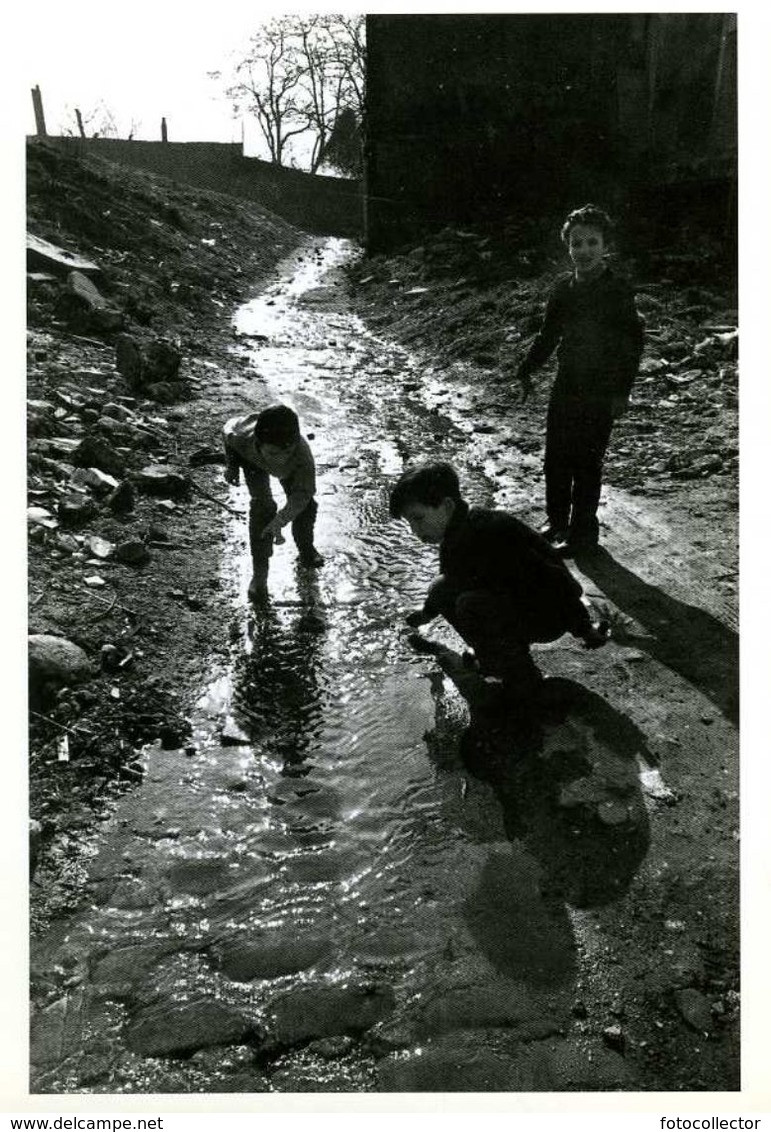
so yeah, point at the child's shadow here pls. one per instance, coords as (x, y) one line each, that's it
(566, 778)
(684, 637)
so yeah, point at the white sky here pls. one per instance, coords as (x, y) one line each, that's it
(148, 62)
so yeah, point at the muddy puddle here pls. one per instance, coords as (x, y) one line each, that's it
(347, 882)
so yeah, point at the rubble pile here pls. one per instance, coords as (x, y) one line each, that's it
(131, 283)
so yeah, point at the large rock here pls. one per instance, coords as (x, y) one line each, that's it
(169, 1028)
(94, 452)
(162, 361)
(461, 1064)
(161, 479)
(270, 959)
(75, 510)
(308, 1012)
(128, 359)
(121, 500)
(55, 660)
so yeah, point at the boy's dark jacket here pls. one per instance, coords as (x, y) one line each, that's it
(600, 336)
(492, 550)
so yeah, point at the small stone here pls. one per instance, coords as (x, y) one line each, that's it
(613, 1037)
(93, 478)
(133, 552)
(99, 547)
(694, 1008)
(161, 479)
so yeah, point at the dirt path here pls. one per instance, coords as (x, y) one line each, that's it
(317, 894)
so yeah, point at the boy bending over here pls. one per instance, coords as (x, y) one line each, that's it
(502, 587)
(268, 444)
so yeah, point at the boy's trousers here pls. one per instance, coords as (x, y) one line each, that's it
(577, 436)
(500, 628)
(262, 508)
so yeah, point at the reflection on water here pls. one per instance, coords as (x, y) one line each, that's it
(323, 853)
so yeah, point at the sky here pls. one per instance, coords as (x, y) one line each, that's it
(144, 61)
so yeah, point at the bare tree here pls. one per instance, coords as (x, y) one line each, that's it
(267, 84)
(298, 75)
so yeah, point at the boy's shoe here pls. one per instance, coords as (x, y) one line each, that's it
(311, 559)
(596, 635)
(555, 535)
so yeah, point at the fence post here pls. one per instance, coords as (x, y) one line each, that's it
(164, 132)
(79, 117)
(40, 121)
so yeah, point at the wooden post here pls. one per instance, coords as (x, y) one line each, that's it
(164, 132)
(40, 121)
(79, 117)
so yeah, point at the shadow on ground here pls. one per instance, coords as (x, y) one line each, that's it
(685, 638)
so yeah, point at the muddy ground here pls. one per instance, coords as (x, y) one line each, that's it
(649, 983)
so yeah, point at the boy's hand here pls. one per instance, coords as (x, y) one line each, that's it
(416, 619)
(272, 530)
(232, 475)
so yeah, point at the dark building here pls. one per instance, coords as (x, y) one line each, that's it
(471, 117)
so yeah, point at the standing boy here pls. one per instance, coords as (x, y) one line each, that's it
(502, 586)
(591, 315)
(268, 444)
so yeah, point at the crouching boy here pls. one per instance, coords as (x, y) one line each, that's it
(502, 586)
(265, 444)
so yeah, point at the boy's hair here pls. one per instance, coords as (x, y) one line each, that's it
(590, 215)
(277, 425)
(429, 484)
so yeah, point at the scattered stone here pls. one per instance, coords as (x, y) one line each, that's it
(109, 658)
(98, 482)
(613, 1037)
(694, 1008)
(55, 660)
(41, 517)
(308, 1012)
(128, 359)
(93, 452)
(116, 411)
(161, 479)
(45, 256)
(75, 510)
(165, 392)
(122, 499)
(206, 455)
(133, 552)
(171, 1028)
(99, 547)
(162, 361)
(68, 543)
